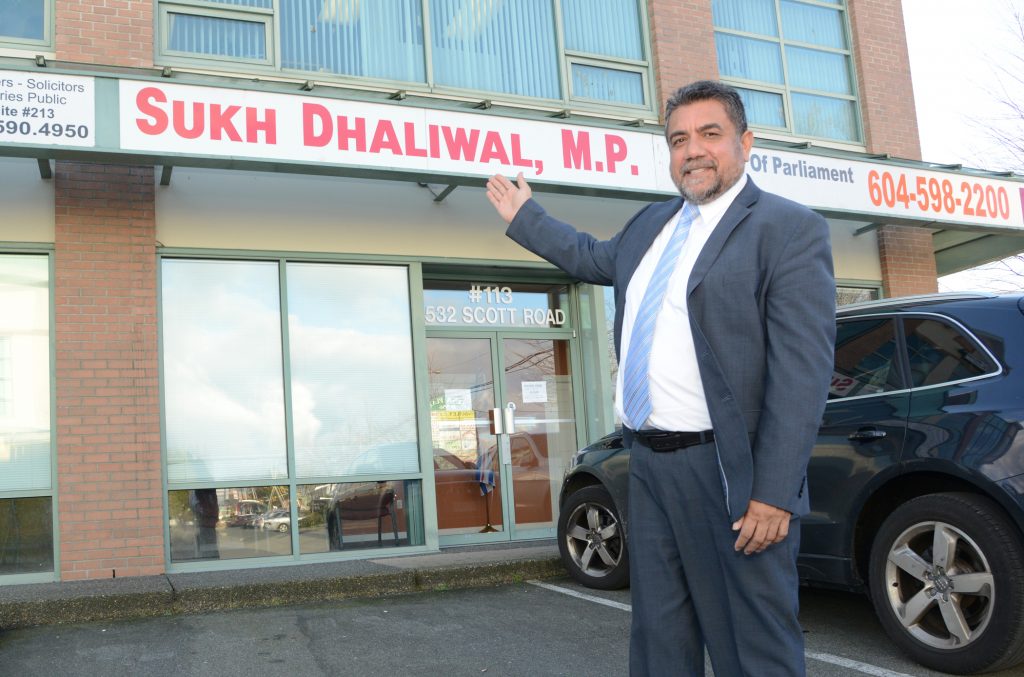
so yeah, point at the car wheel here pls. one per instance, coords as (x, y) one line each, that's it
(283, 528)
(591, 539)
(947, 581)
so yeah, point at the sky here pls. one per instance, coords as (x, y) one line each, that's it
(956, 49)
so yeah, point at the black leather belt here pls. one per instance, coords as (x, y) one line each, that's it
(663, 440)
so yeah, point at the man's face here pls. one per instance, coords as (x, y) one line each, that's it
(707, 152)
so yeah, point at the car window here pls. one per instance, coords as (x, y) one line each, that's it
(864, 360)
(940, 352)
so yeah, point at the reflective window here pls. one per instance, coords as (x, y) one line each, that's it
(793, 63)
(489, 46)
(236, 523)
(939, 352)
(353, 400)
(223, 381)
(846, 295)
(23, 19)
(26, 535)
(24, 372)
(865, 358)
(359, 515)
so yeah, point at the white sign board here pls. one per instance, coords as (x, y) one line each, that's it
(535, 391)
(172, 118)
(47, 109)
(458, 399)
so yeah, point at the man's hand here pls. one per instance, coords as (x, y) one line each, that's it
(761, 526)
(507, 197)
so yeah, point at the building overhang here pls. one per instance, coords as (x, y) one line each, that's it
(142, 118)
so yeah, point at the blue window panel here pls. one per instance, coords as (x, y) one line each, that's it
(815, 25)
(217, 37)
(825, 117)
(380, 39)
(748, 58)
(258, 4)
(607, 84)
(824, 71)
(607, 27)
(23, 19)
(749, 16)
(764, 109)
(495, 46)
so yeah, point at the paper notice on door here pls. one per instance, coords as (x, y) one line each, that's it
(535, 391)
(458, 399)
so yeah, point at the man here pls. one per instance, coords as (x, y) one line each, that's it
(724, 327)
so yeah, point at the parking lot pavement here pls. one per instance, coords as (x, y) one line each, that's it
(526, 629)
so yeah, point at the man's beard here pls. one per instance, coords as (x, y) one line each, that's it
(703, 196)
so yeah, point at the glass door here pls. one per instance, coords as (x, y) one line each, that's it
(503, 427)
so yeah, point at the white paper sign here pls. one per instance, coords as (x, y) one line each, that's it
(535, 391)
(458, 399)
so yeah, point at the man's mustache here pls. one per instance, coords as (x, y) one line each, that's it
(690, 166)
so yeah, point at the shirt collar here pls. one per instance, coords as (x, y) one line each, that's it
(711, 212)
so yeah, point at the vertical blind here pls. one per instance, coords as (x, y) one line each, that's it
(23, 19)
(216, 37)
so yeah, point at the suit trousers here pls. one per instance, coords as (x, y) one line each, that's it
(691, 589)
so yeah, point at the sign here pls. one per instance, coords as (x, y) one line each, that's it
(458, 399)
(47, 109)
(491, 306)
(535, 392)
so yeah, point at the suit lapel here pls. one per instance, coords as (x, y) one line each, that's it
(643, 233)
(738, 210)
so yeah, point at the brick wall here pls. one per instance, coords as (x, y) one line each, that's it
(907, 259)
(108, 32)
(108, 429)
(683, 40)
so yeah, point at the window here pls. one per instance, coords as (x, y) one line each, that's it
(852, 293)
(584, 52)
(941, 353)
(865, 361)
(26, 485)
(276, 371)
(25, 22)
(791, 62)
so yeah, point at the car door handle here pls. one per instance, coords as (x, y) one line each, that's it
(867, 434)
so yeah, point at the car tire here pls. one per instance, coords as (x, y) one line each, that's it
(979, 627)
(592, 541)
(283, 528)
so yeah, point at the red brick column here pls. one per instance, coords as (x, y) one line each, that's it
(683, 41)
(108, 423)
(890, 126)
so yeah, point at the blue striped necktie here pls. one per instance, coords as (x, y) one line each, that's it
(636, 393)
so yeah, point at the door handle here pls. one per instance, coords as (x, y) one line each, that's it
(497, 420)
(867, 435)
(509, 415)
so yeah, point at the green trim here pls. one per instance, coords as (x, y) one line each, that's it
(27, 44)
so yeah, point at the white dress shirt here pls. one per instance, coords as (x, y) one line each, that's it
(677, 393)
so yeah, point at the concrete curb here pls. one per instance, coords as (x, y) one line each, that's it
(124, 599)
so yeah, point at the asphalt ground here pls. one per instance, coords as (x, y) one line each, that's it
(538, 628)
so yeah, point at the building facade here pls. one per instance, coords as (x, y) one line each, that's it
(256, 310)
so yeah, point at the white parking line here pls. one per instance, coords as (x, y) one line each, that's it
(865, 668)
(589, 598)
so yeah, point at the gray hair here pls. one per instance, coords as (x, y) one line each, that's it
(703, 90)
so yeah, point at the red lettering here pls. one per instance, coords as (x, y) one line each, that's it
(384, 137)
(198, 119)
(434, 141)
(220, 122)
(517, 155)
(268, 126)
(461, 147)
(614, 151)
(410, 142)
(355, 133)
(494, 149)
(575, 151)
(143, 101)
(310, 113)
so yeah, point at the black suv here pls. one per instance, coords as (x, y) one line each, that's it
(916, 481)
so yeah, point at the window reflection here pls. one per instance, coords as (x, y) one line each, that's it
(359, 515)
(864, 362)
(26, 535)
(233, 523)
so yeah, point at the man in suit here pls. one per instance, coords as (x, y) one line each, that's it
(724, 328)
